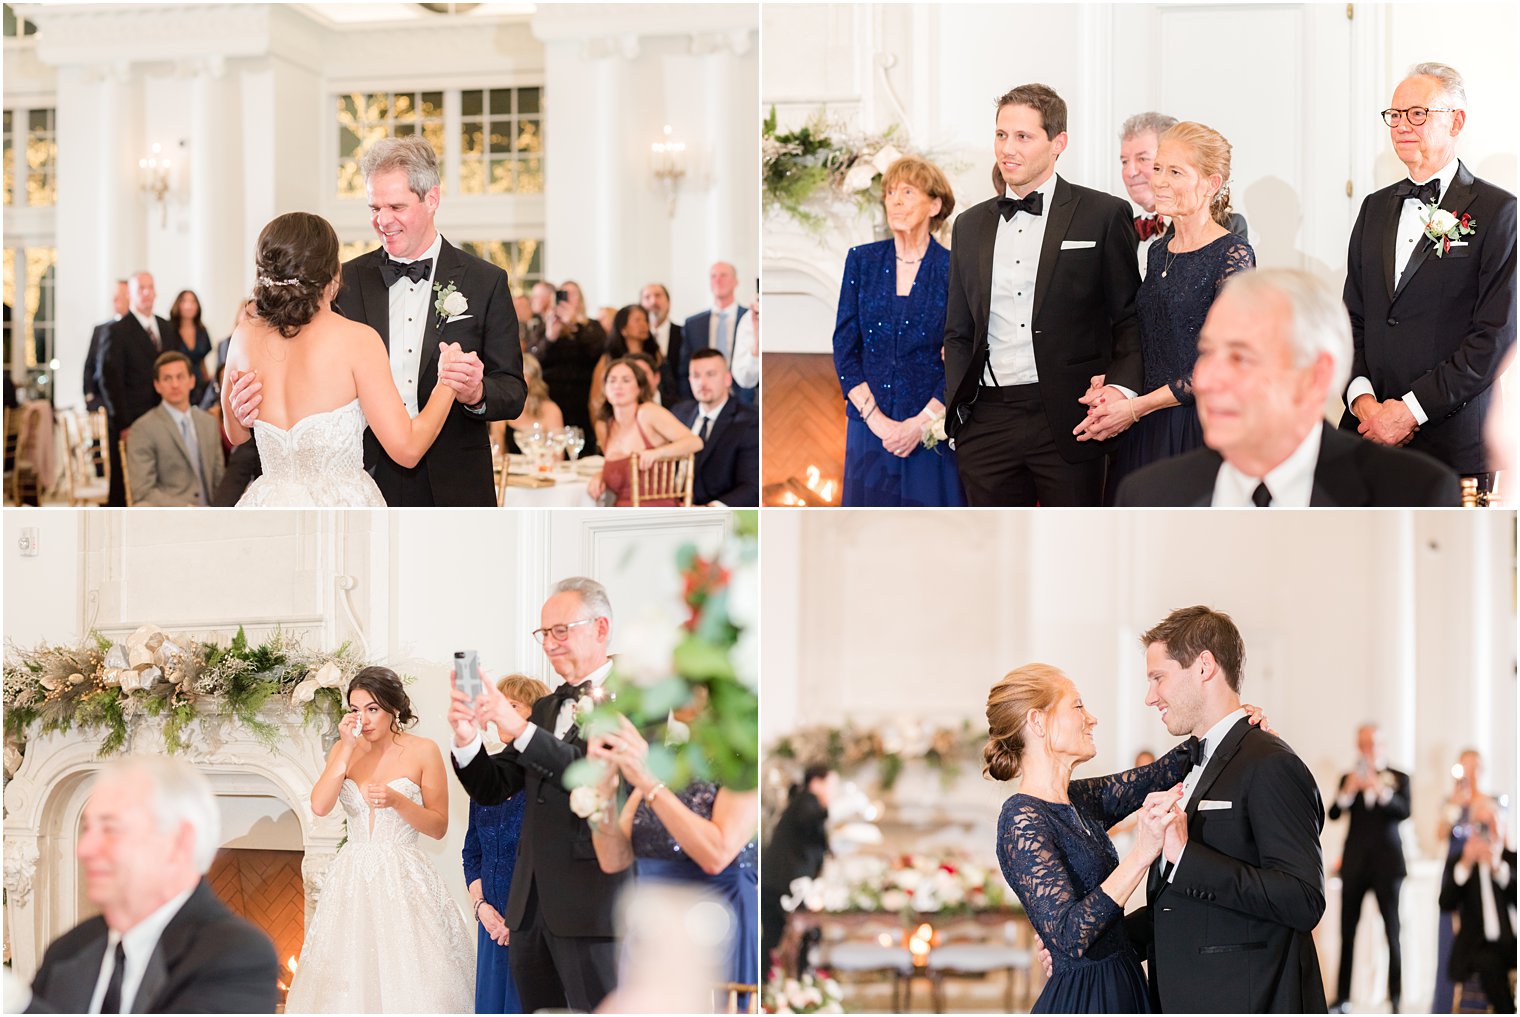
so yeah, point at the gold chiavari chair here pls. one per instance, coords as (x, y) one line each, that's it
(663, 480)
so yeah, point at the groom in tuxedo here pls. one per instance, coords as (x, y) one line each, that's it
(1041, 303)
(1431, 322)
(560, 911)
(1234, 898)
(398, 290)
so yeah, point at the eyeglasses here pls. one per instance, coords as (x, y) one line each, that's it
(1415, 115)
(559, 632)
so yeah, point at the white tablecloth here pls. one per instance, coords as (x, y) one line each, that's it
(568, 492)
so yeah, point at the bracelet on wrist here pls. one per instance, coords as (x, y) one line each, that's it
(1134, 418)
(478, 902)
(649, 795)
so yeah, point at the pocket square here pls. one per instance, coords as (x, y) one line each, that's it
(1077, 245)
(1208, 806)
(458, 317)
(1458, 243)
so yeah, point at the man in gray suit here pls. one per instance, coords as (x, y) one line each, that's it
(174, 451)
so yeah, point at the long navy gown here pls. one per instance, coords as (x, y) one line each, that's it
(490, 854)
(657, 856)
(1056, 857)
(1171, 309)
(896, 346)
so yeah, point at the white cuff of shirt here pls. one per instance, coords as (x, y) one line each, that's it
(1460, 873)
(1172, 876)
(464, 754)
(1128, 393)
(520, 743)
(715, 503)
(1502, 875)
(1415, 408)
(1359, 387)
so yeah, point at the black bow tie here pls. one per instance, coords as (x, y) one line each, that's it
(1429, 192)
(394, 271)
(1194, 749)
(1033, 203)
(569, 691)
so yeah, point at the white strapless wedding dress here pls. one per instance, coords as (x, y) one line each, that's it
(386, 937)
(319, 462)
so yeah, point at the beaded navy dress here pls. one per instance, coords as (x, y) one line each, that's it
(896, 346)
(1173, 300)
(657, 856)
(490, 854)
(1056, 857)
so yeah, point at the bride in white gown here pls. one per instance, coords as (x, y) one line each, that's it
(323, 377)
(386, 936)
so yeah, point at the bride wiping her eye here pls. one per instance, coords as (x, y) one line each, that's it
(386, 937)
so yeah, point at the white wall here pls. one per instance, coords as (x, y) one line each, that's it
(1296, 87)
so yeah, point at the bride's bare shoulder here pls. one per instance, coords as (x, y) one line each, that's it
(348, 331)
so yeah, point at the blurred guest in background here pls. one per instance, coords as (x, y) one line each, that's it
(538, 409)
(713, 327)
(796, 848)
(127, 355)
(1452, 830)
(119, 305)
(189, 336)
(632, 423)
(174, 453)
(1479, 885)
(540, 306)
(629, 334)
(572, 345)
(728, 467)
(655, 299)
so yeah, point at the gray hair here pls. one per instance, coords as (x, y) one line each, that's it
(411, 154)
(1452, 88)
(592, 593)
(1141, 123)
(179, 794)
(1318, 322)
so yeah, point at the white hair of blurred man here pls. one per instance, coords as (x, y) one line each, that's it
(675, 944)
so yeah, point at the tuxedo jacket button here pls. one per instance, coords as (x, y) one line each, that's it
(1392, 322)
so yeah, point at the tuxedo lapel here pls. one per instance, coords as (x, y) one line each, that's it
(71, 982)
(1223, 753)
(374, 299)
(1063, 205)
(1456, 199)
(1337, 482)
(450, 270)
(1390, 239)
(724, 419)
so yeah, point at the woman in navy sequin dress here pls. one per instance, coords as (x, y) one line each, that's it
(1184, 270)
(1053, 844)
(889, 340)
(490, 854)
(703, 834)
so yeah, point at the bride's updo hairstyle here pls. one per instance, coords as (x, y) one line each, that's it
(297, 257)
(1031, 687)
(384, 686)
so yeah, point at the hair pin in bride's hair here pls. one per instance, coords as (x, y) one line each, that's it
(264, 280)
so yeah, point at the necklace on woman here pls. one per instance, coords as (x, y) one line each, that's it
(914, 261)
(1170, 257)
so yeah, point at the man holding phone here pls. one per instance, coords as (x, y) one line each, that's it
(560, 910)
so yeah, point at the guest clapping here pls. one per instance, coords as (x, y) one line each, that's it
(889, 348)
(632, 424)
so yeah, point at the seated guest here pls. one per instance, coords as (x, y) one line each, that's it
(119, 304)
(728, 467)
(568, 355)
(538, 409)
(189, 336)
(1479, 884)
(628, 335)
(1138, 142)
(647, 365)
(1274, 346)
(632, 423)
(163, 942)
(174, 452)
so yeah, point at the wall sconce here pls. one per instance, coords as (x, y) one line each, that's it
(669, 161)
(154, 173)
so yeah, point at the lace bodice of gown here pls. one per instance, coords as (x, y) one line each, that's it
(318, 461)
(389, 828)
(651, 839)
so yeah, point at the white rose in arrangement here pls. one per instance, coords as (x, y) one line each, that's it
(1442, 221)
(455, 304)
(894, 900)
(860, 177)
(585, 802)
(884, 158)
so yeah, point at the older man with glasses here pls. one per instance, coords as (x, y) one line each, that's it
(560, 909)
(1430, 287)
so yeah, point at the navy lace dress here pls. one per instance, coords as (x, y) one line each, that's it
(1171, 311)
(1056, 857)
(896, 346)
(490, 854)
(657, 856)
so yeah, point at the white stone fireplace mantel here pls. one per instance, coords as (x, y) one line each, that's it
(45, 799)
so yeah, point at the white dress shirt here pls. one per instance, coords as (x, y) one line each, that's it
(1210, 742)
(463, 754)
(1405, 240)
(1015, 264)
(661, 334)
(745, 365)
(725, 318)
(712, 415)
(138, 943)
(410, 305)
(1488, 876)
(1291, 482)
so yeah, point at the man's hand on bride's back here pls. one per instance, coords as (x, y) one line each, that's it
(244, 394)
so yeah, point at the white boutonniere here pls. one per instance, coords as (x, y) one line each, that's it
(934, 431)
(1442, 227)
(450, 303)
(582, 707)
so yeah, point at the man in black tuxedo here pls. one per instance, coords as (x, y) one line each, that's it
(728, 467)
(1234, 898)
(713, 328)
(560, 909)
(1376, 798)
(1041, 303)
(163, 942)
(399, 290)
(1479, 884)
(1432, 320)
(1275, 344)
(120, 303)
(127, 354)
(655, 299)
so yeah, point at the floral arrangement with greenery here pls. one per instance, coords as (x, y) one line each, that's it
(802, 168)
(110, 686)
(891, 746)
(813, 992)
(911, 885)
